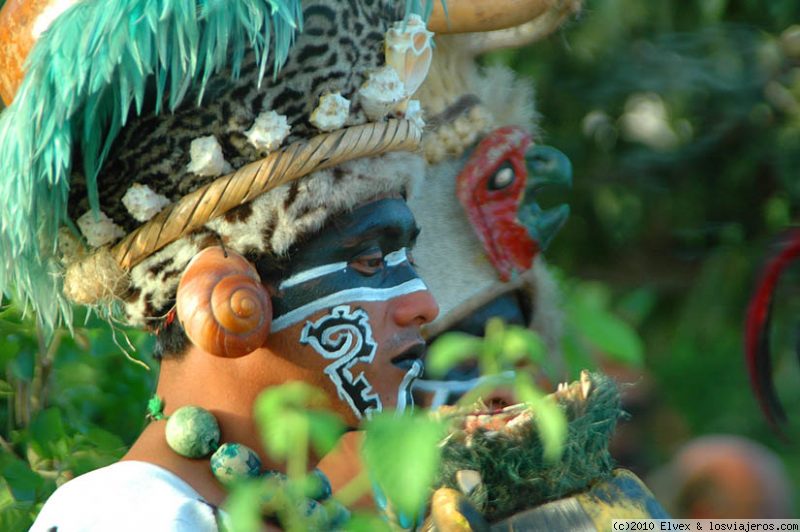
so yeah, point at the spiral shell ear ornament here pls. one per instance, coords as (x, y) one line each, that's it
(222, 305)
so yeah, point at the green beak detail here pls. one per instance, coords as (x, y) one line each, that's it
(547, 166)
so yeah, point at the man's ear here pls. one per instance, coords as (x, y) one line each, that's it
(222, 304)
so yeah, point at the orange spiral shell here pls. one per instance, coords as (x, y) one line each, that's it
(222, 305)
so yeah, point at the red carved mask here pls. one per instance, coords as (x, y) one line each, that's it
(491, 188)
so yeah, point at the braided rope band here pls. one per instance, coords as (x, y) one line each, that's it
(245, 184)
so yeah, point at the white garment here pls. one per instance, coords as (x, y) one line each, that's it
(126, 496)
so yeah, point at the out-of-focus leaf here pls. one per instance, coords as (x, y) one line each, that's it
(243, 506)
(22, 482)
(366, 522)
(450, 350)
(521, 344)
(22, 365)
(291, 421)
(326, 429)
(576, 354)
(48, 434)
(615, 338)
(552, 422)
(5, 389)
(402, 455)
(9, 347)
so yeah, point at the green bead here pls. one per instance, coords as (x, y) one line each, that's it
(192, 432)
(234, 462)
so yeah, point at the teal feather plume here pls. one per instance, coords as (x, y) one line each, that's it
(82, 78)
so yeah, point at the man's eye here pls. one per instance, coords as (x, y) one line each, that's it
(368, 264)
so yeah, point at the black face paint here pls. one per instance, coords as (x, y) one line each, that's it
(359, 256)
(345, 337)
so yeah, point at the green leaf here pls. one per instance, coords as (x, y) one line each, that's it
(243, 506)
(47, 431)
(521, 344)
(289, 422)
(450, 350)
(366, 522)
(402, 455)
(5, 389)
(22, 481)
(23, 364)
(326, 429)
(608, 333)
(549, 418)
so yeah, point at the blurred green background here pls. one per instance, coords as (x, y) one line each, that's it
(682, 120)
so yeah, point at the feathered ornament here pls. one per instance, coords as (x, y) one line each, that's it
(83, 75)
(757, 345)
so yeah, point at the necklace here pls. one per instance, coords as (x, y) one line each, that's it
(193, 432)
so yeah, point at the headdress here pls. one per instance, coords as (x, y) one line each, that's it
(139, 132)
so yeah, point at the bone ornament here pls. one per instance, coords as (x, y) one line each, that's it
(222, 305)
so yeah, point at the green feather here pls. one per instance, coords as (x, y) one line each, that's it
(76, 96)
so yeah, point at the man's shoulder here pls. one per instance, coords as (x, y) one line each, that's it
(126, 496)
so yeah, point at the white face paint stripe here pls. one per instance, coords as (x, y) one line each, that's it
(391, 259)
(312, 273)
(351, 295)
(396, 257)
(404, 390)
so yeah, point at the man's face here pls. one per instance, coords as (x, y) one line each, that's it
(349, 312)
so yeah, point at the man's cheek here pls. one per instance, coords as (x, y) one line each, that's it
(344, 338)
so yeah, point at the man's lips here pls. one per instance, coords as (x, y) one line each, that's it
(412, 353)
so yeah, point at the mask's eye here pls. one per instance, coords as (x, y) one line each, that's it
(502, 178)
(368, 263)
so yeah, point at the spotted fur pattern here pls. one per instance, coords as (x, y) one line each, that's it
(269, 225)
(340, 43)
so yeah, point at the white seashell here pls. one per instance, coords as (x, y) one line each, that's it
(143, 202)
(408, 51)
(331, 112)
(268, 131)
(101, 231)
(413, 112)
(206, 158)
(381, 93)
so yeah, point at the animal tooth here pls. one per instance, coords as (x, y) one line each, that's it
(468, 480)
(586, 384)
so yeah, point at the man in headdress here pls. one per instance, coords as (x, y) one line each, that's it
(155, 170)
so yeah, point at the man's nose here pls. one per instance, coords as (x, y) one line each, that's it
(416, 308)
